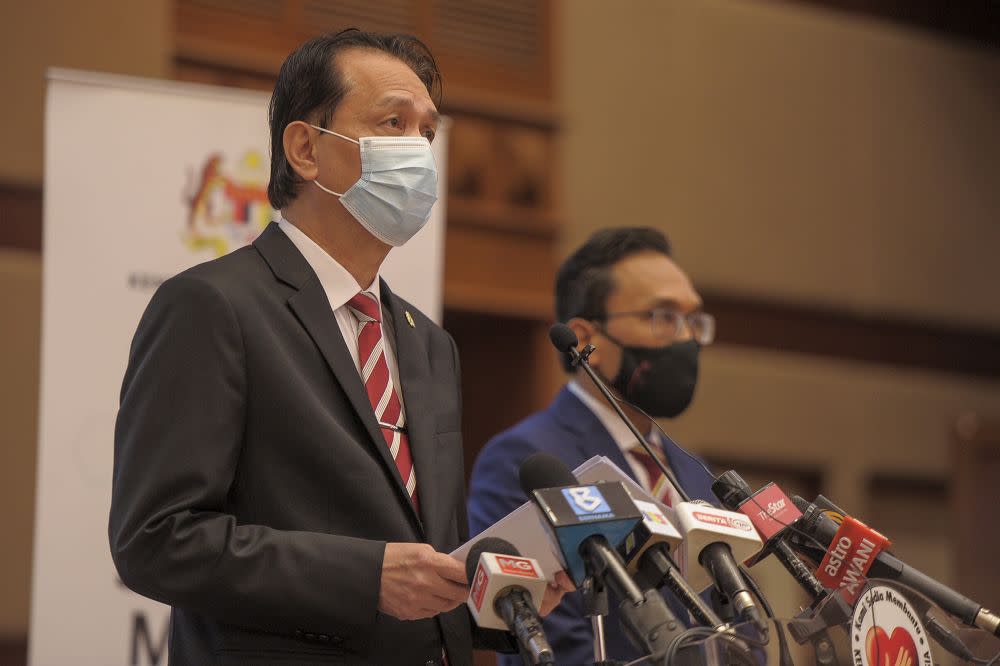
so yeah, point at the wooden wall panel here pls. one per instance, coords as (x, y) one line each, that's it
(481, 45)
(21, 217)
(975, 497)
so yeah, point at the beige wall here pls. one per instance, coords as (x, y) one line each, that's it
(804, 156)
(119, 36)
(792, 153)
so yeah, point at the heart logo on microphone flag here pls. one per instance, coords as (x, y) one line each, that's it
(896, 650)
(886, 630)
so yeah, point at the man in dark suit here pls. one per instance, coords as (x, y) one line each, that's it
(622, 292)
(288, 453)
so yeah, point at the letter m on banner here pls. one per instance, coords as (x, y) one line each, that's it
(144, 651)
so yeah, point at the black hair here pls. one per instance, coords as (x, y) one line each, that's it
(584, 280)
(309, 82)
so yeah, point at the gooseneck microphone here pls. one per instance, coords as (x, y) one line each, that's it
(503, 591)
(709, 535)
(766, 514)
(647, 555)
(564, 340)
(886, 566)
(589, 522)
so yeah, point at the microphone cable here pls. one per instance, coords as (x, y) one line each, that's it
(785, 656)
(791, 526)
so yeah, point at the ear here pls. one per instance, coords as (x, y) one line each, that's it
(298, 140)
(585, 331)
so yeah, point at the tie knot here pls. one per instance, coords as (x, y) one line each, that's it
(365, 307)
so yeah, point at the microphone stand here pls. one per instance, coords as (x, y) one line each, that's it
(580, 359)
(812, 624)
(595, 606)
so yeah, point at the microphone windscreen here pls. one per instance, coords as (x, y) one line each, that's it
(815, 522)
(487, 545)
(563, 338)
(543, 470)
(731, 490)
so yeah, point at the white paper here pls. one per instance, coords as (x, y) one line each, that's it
(528, 531)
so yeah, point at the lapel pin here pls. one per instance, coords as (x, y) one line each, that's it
(409, 319)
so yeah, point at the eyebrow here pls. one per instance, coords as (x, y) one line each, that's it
(399, 100)
(670, 303)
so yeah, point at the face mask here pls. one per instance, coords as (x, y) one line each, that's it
(397, 189)
(660, 380)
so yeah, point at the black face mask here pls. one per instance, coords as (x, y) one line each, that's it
(659, 380)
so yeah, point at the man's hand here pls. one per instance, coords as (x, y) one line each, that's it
(554, 593)
(419, 582)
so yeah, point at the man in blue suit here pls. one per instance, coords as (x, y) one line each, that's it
(622, 292)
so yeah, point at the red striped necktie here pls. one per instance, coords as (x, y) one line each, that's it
(378, 383)
(659, 486)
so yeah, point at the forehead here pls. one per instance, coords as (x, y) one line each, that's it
(647, 278)
(375, 79)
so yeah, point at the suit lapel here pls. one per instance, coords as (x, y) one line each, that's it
(312, 308)
(593, 437)
(413, 364)
(696, 481)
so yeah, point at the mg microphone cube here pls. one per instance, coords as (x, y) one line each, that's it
(494, 576)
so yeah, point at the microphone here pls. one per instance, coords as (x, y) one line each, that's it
(880, 563)
(504, 585)
(710, 534)
(588, 523)
(717, 539)
(772, 514)
(564, 340)
(585, 520)
(646, 552)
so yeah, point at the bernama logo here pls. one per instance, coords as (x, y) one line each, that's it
(227, 209)
(586, 500)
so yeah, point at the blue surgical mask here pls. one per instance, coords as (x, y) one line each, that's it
(397, 189)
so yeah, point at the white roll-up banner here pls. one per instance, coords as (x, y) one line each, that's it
(143, 179)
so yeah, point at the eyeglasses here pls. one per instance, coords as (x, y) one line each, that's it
(666, 323)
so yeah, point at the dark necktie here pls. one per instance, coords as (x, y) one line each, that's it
(659, 486)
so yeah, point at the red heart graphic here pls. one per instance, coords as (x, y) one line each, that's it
(899, 650)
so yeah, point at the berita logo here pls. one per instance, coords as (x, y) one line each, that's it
(723, 520)
(227, 209)
(885, 629)
(586, 500)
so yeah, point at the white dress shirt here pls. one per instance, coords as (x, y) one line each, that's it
(340, 287)
(622, 436)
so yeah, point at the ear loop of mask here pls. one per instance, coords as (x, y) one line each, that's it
(345, 138)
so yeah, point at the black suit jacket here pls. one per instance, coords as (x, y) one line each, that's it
(252, 489)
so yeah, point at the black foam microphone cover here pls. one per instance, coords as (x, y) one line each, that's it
(563, 338)
(543, 470)
(494, 545)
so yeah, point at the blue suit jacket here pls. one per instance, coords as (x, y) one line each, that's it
(568, 430)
